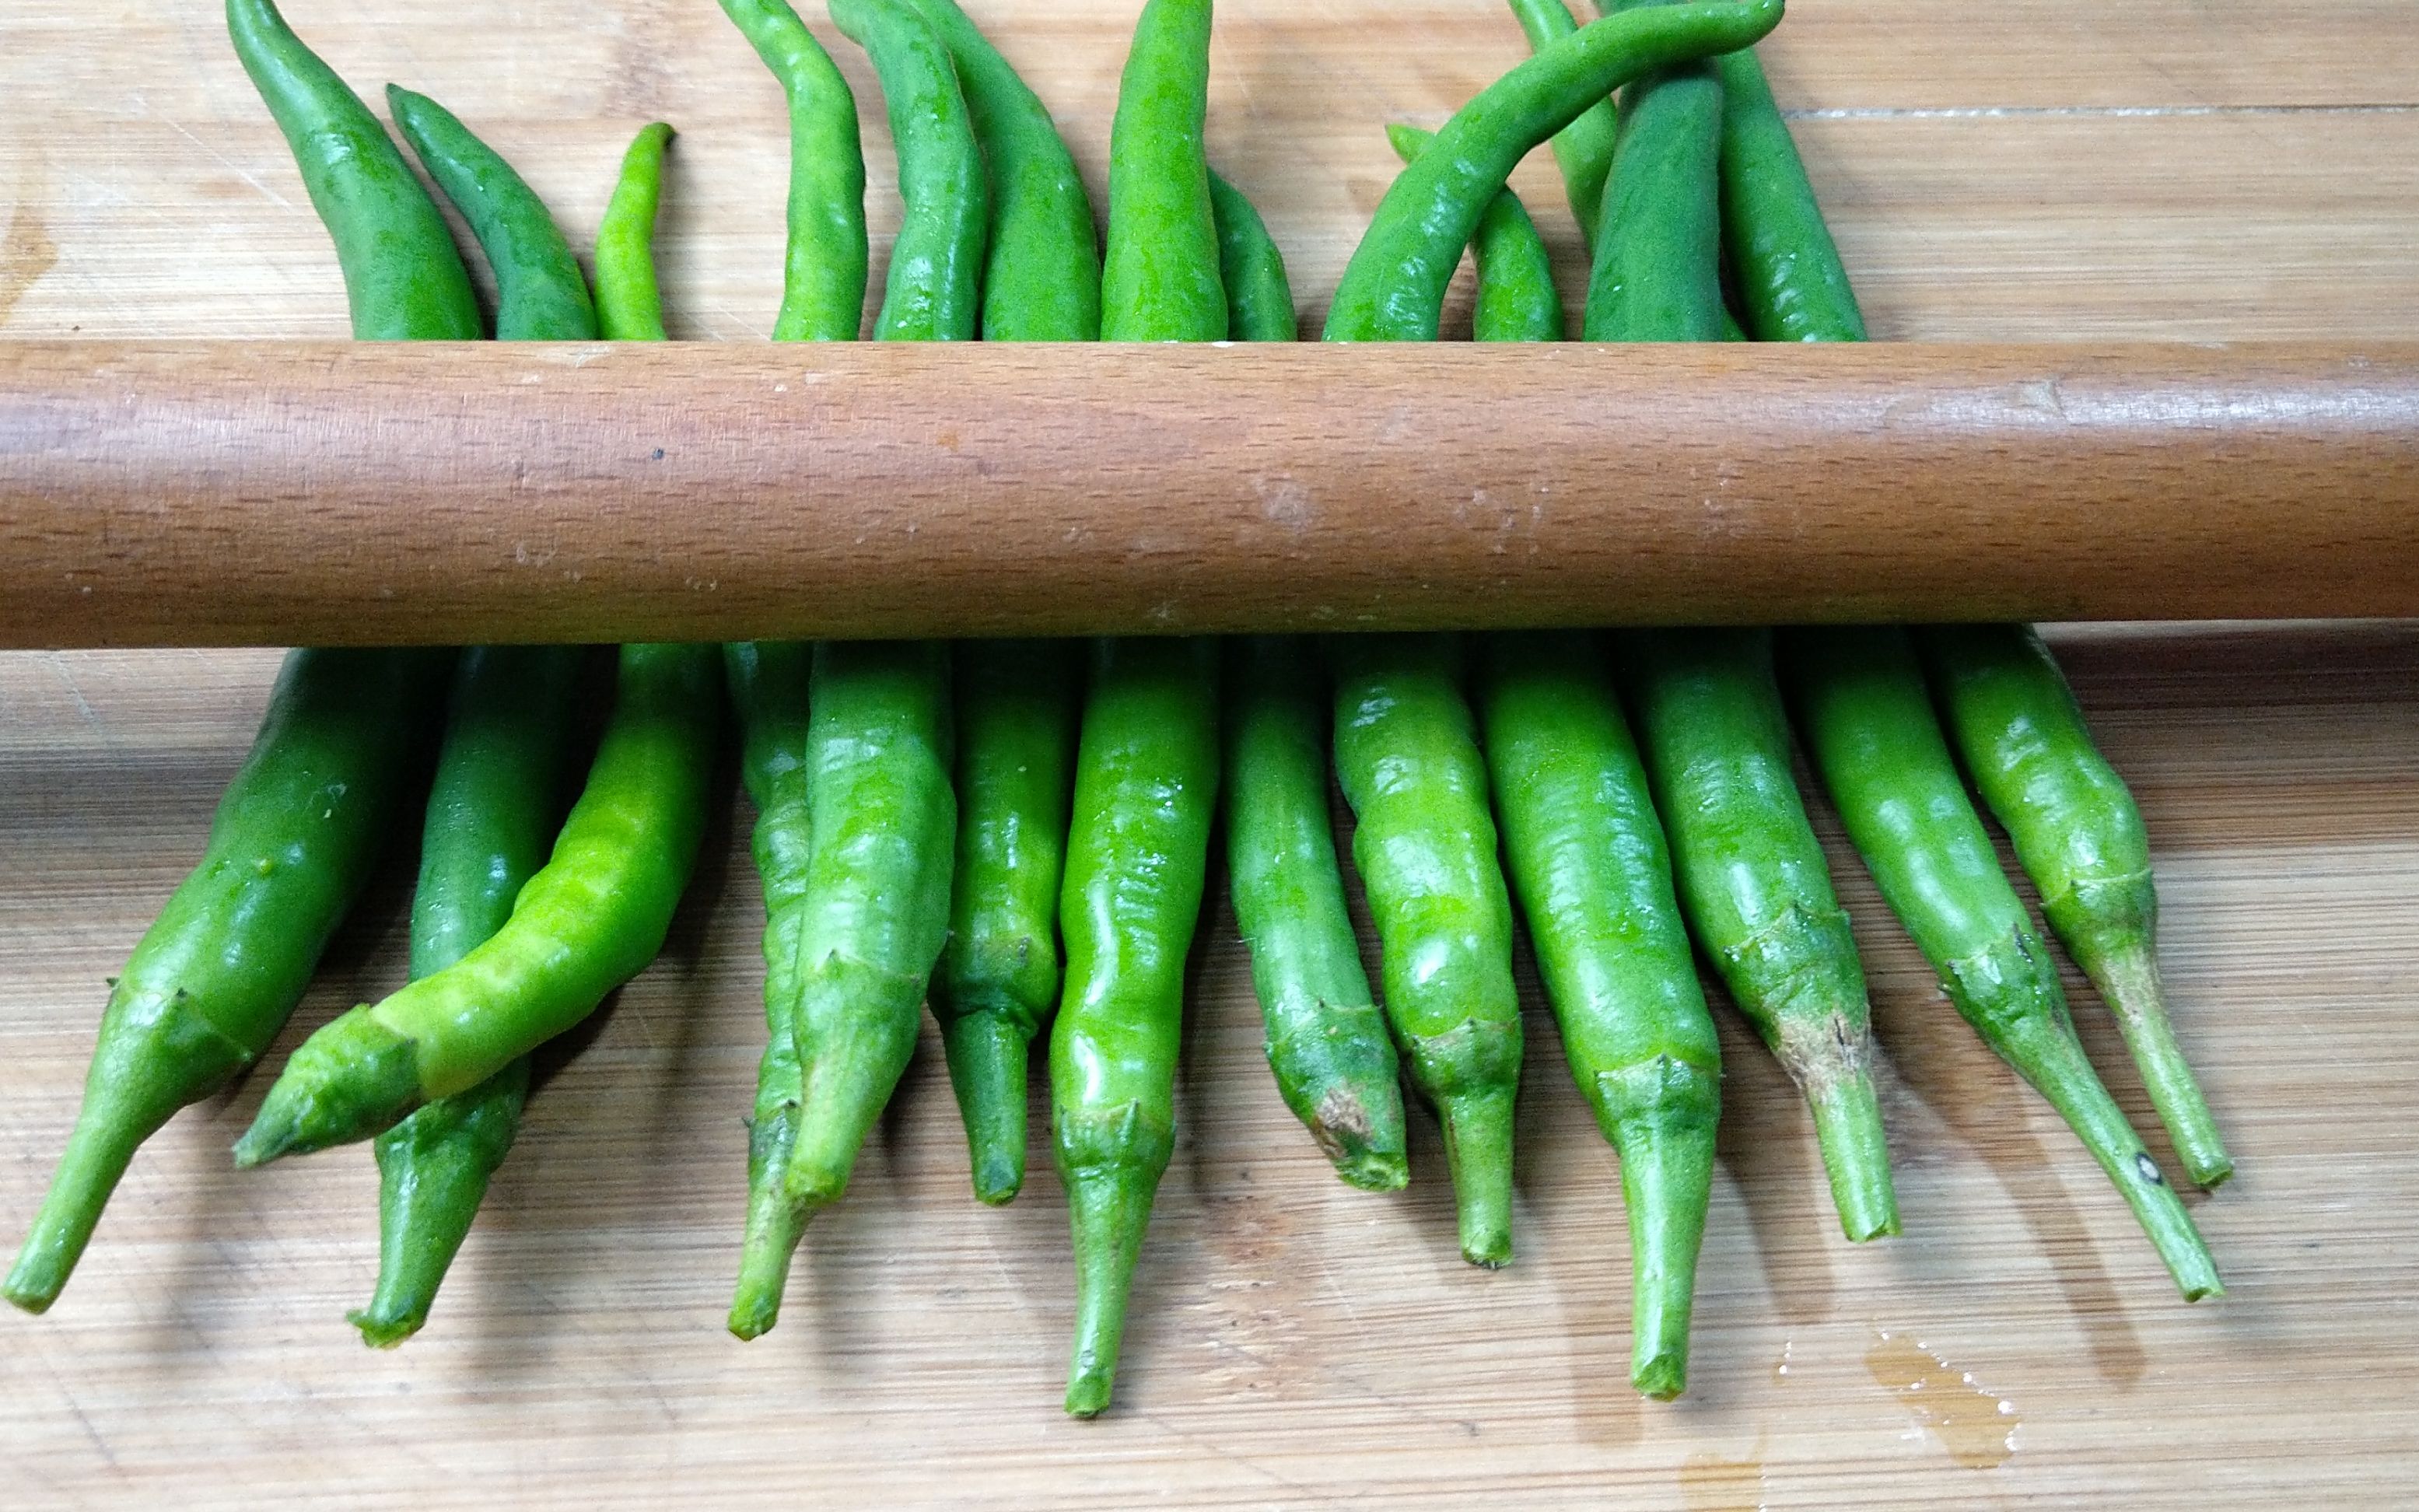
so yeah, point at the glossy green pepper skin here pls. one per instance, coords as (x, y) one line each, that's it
(933, 291)
(2016, 726)
(1862, 708)
(629, 306)
(824, 268)
(1583, 149)
(1407, 754)
(1517, 298)
(1792, 285)
(1587, 859)
(590, 919)
(1657, 274)
(1160, 277)
(1756, 887)
(1393, 287)
(403, 277)
(1137, 854)
(539, 295)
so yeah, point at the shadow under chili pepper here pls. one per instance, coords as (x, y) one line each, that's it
(1766, 1141)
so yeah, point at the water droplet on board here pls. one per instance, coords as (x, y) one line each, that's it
(1975, 1426)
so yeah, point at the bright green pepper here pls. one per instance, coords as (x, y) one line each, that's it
(1583, 149)
(1406, 755)
(824, 268)
(590, 919)
(1159, 274)
(1869, 728)
(2078, 834)
(933, 290)
(1259, 298)
(1394, 285)
(628, 305)
(1657, 270)
(1517, 298)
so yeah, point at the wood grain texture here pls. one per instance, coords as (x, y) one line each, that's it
(279, 494)
(1295, 1345)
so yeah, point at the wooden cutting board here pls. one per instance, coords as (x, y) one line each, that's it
(2035, 169)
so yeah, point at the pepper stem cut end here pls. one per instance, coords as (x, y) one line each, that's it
(1478, 1149)
(1667, 1178)
(108, 1131)
(2128, 978)
(1856, 1154)
(1108, 1207)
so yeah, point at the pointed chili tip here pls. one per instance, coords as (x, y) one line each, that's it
(264, 1141)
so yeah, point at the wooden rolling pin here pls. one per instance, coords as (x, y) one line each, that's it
(203, 494)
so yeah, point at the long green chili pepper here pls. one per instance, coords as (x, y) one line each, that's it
(498, 797)
(1588, 861)
(1327, 1041)
(1146, 759)
(629, 307)
(1583, 149)
(1160, 278)
(218, 972)
(403, 277)
(826, 253)
(1657, 274)
(1041, 276)
(1756, 887)
(881, 824)
(1259, 298)
(933, 290)
(1137, 853)
(2079, 835)
(1867, 719)
(768, 684)
(1393, 286)
(1406, 755)
(590, 919)
(998, 982)
(1517, 298)
(1789, 278)
(822, 281)
(540, 293)
(296, 833)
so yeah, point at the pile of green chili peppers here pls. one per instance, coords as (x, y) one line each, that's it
(1019, 833)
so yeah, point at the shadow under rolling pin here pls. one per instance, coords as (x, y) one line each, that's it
(281, 493)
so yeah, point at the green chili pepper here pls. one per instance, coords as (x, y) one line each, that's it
(628, 306)
(498, 798)
(768, 682)
(822, 284)
(1869, 728)
(826, 253)
(1393, 286)
(1587, 859)
(539, 295)
(2075, 827)
(997, 981)
(1259, 300)
(1327, 1041)
(403, 277)
(1517, 300)
(1583, 149)
(216, 975)
(1041, 276)
(1756, 888)
(1657, 270)
(882, 819)
(1160, 275)
(1791, 282)
(591, 918)
(1406, 755)
(1146, 791)
(932, 289)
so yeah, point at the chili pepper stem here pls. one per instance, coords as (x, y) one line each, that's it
(2128, 978)
(1478, 1151)
(112, 1124)
(347, 1082)
(1108, 1207)
(1356, 1113)
(1827, 1058)
(1666, 1166)
(987, 1053)
(433, 1170)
